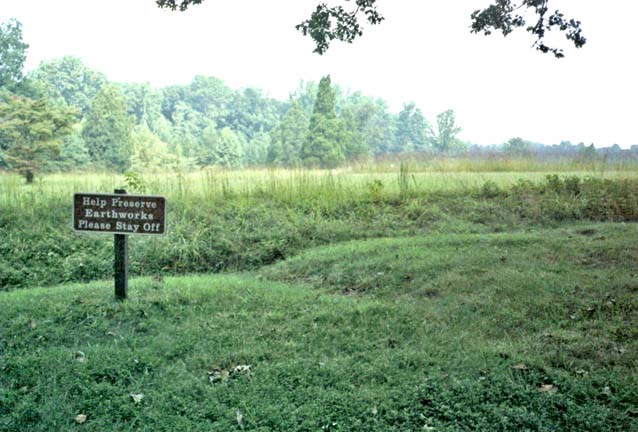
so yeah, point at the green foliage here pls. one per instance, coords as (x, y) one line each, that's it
(30, 129)
(107, 130)
(149, 151)
(13, 53)
(133, 182)
(220, 147)
(73, 152)
(444, 139)
(411, 130)
(287, 138)
(518, 147)
(328, 22)
(239, 221)
(504, 15)
(68, 80)
(326, 138)
(144, 103)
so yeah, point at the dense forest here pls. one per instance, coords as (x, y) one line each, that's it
(65, 116)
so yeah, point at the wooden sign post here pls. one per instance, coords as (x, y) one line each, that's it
(120, 214)
(120, 261)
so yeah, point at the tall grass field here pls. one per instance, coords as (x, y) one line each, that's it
(443, 295)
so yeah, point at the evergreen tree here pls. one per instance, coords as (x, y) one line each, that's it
(287, 138)
(107, 131)
(324, 143)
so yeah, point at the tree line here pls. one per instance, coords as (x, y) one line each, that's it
(64, 115)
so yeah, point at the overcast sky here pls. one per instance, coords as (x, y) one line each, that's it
(423, 52)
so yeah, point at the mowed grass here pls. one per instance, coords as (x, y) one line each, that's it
(534, 330)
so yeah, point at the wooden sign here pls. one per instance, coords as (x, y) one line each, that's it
(119, 214)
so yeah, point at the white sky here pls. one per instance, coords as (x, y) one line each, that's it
(422, 52)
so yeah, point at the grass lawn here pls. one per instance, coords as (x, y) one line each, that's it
(534, 330)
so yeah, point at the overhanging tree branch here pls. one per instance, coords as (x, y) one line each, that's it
(328, 23)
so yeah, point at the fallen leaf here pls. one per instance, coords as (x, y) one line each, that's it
(218, 375)
(80, 418)
(548, 388)
(521, 367)
(242, 369)
(137, 397)
(240, 419)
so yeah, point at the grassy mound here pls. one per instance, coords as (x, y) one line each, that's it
(237, 229)
(501, 332)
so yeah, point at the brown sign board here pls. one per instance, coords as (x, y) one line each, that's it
(119, 213)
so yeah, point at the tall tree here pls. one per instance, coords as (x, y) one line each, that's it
(68, 79)
(287, 138)
(357, 114)
(324, 143)
(31, 130)
(411, 130)
(13, 53)
(444, 139)
(518, 147)
(381, 129)
(220, 147)
(328, 22)
(107, 131)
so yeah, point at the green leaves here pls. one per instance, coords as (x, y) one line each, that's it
(13, 53)
(329, 23)
(503, 15)
(30, 130)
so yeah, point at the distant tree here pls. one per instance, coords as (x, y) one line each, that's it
(188, 126)
(149, 151)
(256, 150)
(381, 129)
(107, 130)
(444, 139)
(287, 138)
(411, 130)
(518, 147)
(73, 153)
(587, 153)
(210, 97)
(220, 147)
(13, 53)
(357, 115)
(144, 103)
(250, 112)
(68, 79)
(324, 143)
(30, 131)
(328, 23)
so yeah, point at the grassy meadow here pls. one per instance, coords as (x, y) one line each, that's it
(447, 295)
